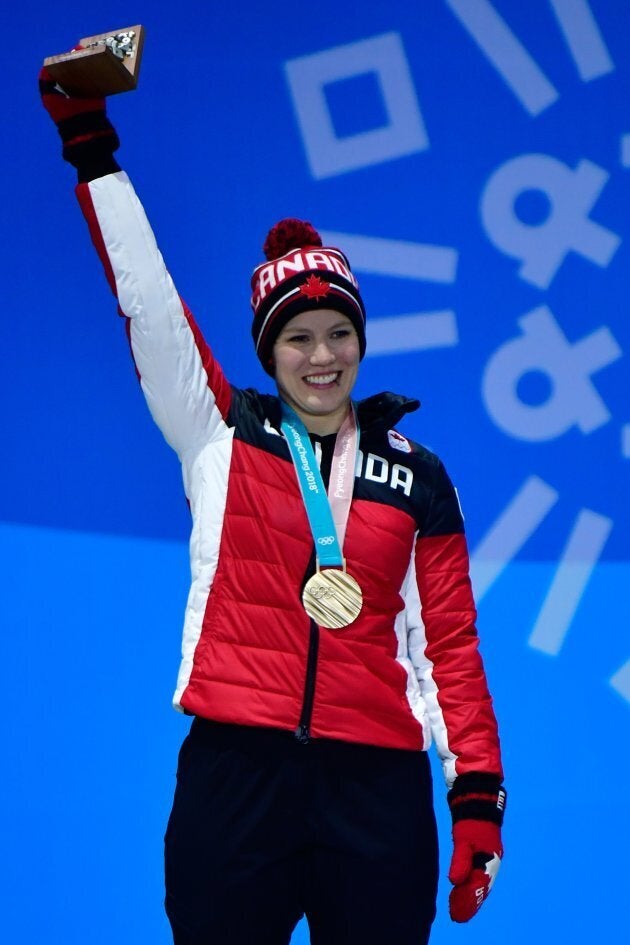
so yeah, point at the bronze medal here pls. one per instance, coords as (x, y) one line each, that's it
(332, 598)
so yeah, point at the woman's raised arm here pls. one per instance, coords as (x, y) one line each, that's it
(185, 388)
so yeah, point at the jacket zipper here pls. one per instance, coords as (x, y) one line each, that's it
(302, 732)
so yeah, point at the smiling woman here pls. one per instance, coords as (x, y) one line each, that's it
(330, 628)
(316, 359)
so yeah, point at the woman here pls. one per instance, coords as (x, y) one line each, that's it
(329, 632)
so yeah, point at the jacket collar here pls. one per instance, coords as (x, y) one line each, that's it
(382, 410)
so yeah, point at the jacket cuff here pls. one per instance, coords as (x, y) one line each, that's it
(97, 166)
(477, 796)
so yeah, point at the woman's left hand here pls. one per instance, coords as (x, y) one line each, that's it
(477, 855)
(477, 801)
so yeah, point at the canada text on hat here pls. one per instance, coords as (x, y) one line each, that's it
(268, 275)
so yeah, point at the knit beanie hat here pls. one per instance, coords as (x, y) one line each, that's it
(300, 275)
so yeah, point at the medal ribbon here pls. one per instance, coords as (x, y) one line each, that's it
(327, 514)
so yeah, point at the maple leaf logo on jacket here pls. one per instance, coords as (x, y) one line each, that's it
(315, 288)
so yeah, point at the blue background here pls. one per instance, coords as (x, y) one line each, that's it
(93, 521)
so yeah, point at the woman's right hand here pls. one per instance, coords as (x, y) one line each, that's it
(86, 132)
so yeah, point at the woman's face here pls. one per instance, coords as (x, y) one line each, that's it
(316, 358)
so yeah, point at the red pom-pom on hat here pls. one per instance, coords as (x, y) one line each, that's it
(290, 234)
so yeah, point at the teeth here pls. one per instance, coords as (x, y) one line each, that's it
(322, 379)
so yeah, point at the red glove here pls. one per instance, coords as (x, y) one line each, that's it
(87, 134)
(477, 802)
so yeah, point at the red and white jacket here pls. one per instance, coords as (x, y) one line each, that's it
(408, 668)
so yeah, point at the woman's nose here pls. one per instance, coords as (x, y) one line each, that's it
(322, 354)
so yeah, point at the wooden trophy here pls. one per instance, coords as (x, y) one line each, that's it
(108, 63)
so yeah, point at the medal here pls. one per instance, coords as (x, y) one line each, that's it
(332, 598)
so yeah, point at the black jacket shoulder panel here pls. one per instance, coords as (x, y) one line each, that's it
(256, 420)
(401, 472)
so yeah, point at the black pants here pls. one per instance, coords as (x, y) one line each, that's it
(264, 830)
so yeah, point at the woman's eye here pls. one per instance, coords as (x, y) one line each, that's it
(341, 333)
(298, 339)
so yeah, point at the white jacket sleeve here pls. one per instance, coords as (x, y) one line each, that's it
(185, 388)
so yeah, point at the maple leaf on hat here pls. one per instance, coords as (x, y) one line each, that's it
(315, 288)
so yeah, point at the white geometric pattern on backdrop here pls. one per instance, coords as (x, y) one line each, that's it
(540, 249)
